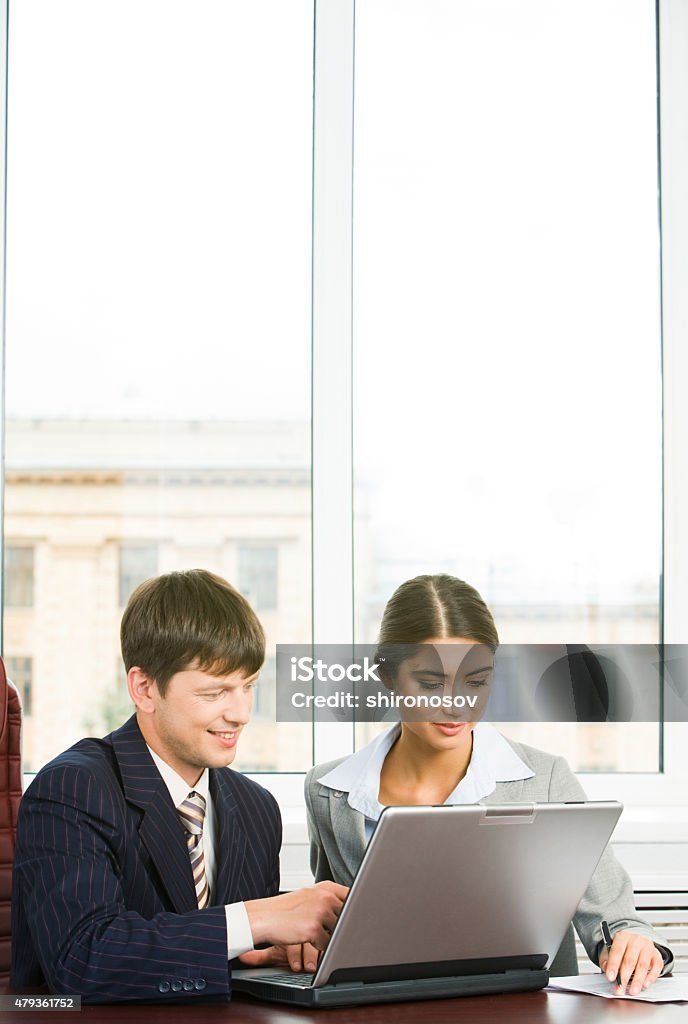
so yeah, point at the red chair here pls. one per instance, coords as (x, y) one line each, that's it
(10, 795)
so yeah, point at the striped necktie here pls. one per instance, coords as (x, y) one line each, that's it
(191, 813)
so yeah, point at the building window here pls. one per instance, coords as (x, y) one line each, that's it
(20, 671)
(264, 694)
(258, 576)
(18, 577)
(137, 562)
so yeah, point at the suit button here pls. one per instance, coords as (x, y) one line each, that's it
(187, 985)
(164, 986)
(199, 984)
(176, 985)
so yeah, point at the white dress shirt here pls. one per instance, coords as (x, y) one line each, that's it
(238, 926)
(493, 760)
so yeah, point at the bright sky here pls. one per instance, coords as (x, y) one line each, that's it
(159, 197)
(507, 390)
(507, 287)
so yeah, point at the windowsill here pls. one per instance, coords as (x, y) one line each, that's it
(637, 825)
(641, 823)
(652, 825)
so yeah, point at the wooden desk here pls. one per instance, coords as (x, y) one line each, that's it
(528, 1008)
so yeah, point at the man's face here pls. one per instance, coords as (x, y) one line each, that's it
(197, 723)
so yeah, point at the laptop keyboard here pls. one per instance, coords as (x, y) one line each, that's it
(300, 978)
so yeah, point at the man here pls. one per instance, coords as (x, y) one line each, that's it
(143, 864)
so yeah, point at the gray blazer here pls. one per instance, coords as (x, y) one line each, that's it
(338, 841)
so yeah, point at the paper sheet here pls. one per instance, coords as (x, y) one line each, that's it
(664, 990)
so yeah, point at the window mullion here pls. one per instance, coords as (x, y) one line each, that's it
(332, 283)
(673, 89)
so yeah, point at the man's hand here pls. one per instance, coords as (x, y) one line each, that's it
(303, 916)
(632, 954)
(298, 957)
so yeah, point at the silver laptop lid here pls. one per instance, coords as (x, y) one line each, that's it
(467, 883)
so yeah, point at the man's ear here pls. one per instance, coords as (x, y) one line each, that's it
(140, 687)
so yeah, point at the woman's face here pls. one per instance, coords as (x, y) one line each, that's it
(456, 671)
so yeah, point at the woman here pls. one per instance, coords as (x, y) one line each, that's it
(449, 761)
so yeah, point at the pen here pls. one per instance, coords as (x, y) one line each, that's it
(607, 936)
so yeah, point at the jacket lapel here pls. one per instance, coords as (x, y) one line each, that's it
(348, 826)
(231, 840)
(160, 829)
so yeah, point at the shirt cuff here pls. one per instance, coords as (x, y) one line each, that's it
(667, 957)
(239, 937)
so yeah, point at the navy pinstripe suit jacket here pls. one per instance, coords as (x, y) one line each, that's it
(103, 901)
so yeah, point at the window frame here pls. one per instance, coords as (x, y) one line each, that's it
(332, 364)
(332, 409)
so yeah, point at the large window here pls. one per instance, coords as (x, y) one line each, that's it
(507, 388)
(320, 339)
(158, 332)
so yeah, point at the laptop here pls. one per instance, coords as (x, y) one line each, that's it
(452, 901)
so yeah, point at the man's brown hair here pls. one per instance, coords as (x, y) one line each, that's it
(190, 619)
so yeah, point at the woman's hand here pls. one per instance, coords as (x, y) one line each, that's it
(632, 954)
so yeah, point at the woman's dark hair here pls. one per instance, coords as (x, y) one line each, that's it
(190, 618)
(436, 607)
